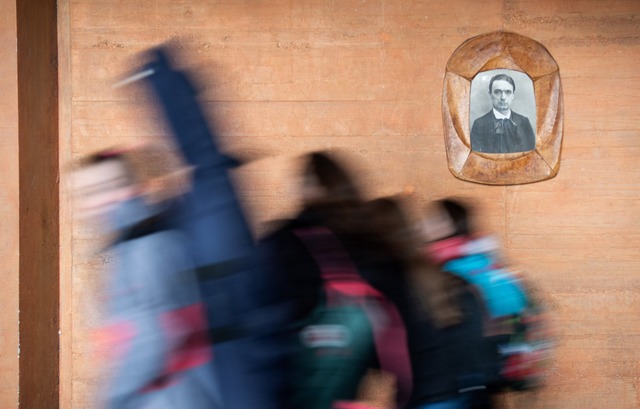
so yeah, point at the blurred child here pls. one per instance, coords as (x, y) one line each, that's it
(515, 340)
(342, 324)
(440, 315)
(155, 335)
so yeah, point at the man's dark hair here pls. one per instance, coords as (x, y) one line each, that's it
(501, 77)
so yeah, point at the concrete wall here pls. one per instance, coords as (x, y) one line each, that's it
(9, 204)
(366, 76)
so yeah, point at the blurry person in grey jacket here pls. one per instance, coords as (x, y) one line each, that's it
(155, 331)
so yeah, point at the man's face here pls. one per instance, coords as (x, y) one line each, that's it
(502, 95)
(101, 187)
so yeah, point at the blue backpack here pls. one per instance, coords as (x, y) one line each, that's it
(516, 334)
(501, 291)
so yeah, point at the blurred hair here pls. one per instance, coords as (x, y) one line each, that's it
(109, 155)
(433, 289)
(158, 171)
(332, 176)
(341, 205)
(459, 214)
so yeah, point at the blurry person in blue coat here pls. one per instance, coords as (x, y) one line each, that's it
(155, 331)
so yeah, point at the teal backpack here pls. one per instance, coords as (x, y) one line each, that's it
(516, 332)
(335, 344)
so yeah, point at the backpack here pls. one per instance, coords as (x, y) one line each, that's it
(336, 343)
(517, 342)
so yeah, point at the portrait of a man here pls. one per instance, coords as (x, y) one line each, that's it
(501, 130)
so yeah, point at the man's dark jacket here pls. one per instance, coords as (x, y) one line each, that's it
(515, 134)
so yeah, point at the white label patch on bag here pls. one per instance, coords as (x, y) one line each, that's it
(323, 336)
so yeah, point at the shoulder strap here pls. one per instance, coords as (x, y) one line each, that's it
(339, 273)
(341, 278)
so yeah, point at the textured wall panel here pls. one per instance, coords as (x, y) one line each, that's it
(287, 77)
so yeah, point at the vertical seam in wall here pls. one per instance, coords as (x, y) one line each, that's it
(504, 11)
(505, 224)
(65, 155)
(383, 57)
(505, 189)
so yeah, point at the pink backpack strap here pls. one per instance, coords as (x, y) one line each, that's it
(444, 250)
(341, 278)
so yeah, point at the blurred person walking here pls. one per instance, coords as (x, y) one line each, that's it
(244, 322)
(342, 327)
(155, 332)
(442, 319)
(516, 342)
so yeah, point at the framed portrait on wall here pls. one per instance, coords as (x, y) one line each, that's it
(502, 110)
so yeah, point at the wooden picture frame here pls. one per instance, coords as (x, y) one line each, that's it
(503, 52)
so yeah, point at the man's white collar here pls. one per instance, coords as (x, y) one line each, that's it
(498, 115)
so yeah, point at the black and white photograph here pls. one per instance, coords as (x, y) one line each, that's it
(502, 112)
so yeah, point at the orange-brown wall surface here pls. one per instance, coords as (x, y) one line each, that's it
(9, 201)
(366, 76)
